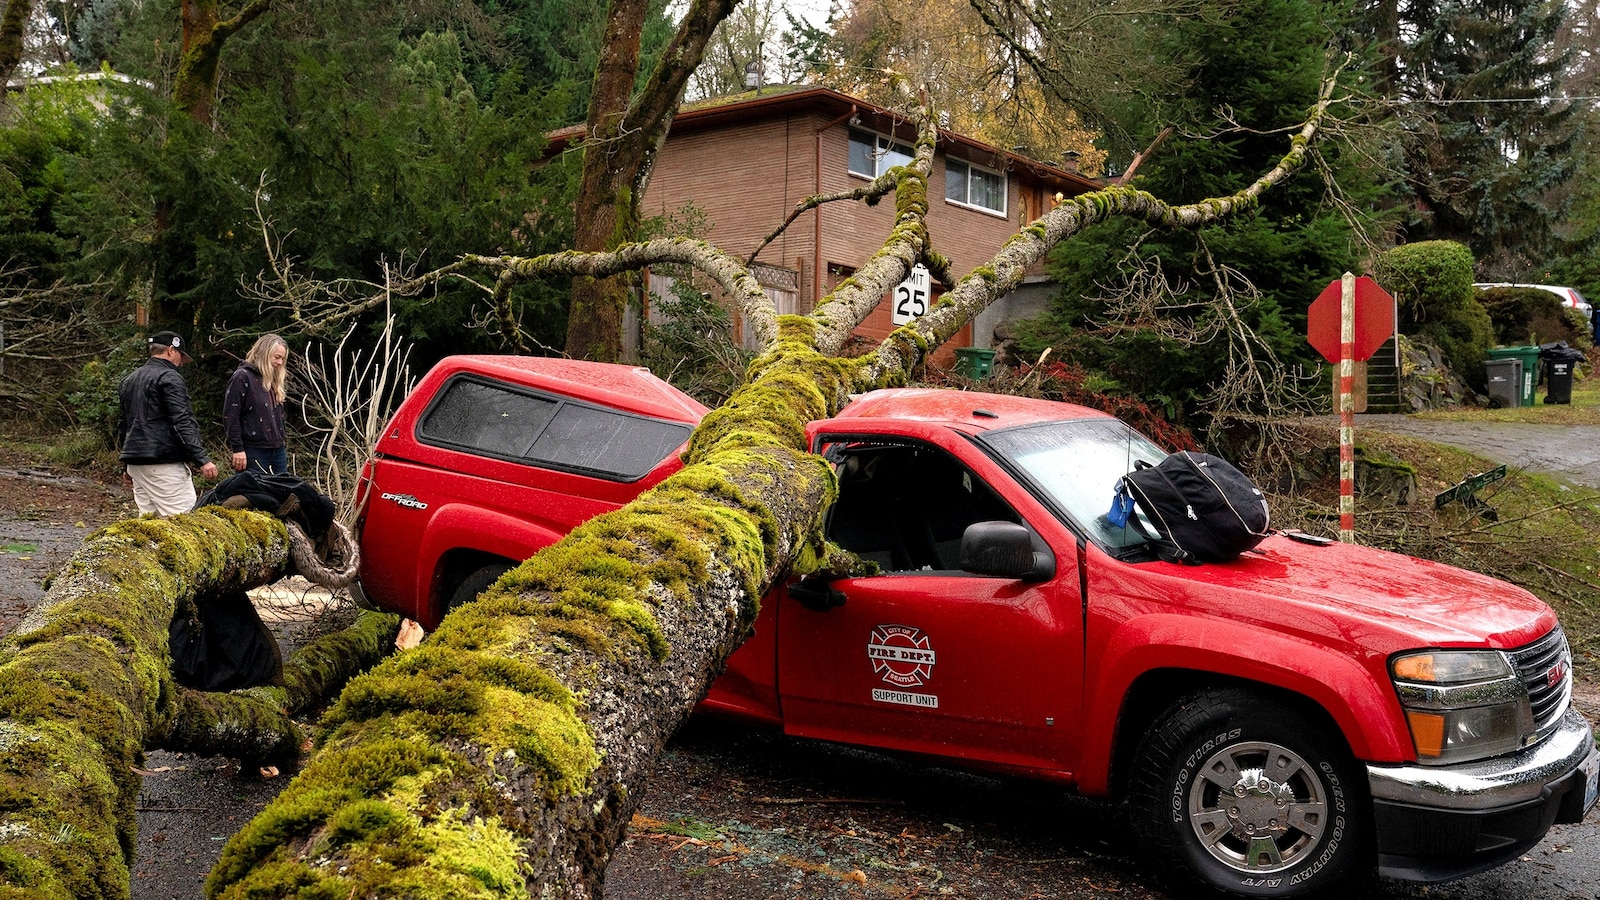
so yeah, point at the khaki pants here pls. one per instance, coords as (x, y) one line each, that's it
(163, 488)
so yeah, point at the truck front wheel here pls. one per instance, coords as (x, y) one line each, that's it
(1248, 797)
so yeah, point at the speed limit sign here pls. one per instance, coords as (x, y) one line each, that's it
(911, 297)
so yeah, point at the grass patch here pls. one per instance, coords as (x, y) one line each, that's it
(690, 827)
(26, 444)
(19, 548)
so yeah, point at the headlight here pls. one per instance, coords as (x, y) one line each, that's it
(1461, 704)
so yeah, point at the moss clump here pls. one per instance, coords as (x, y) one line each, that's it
(438, 692)
(361, 820)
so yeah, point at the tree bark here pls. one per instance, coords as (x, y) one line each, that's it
(194, 91)
(622, 137)
(13, 24)
(505, 756)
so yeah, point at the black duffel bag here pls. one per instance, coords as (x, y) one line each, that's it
(1203, 509)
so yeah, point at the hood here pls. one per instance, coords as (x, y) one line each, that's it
(1392, 601)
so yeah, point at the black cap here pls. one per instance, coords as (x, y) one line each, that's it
(170, 339)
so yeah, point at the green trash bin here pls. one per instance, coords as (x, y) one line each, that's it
(978, 362)
(1530, 369)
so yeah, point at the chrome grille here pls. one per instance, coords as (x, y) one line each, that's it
(1534, 665)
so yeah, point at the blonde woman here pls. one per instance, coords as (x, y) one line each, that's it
(252, 411)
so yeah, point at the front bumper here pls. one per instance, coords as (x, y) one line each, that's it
(1437, 823)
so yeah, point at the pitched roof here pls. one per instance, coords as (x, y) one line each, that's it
(735, 110)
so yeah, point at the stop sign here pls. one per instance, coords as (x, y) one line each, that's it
(1374, 319)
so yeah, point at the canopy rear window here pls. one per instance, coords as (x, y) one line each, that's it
(488, 418)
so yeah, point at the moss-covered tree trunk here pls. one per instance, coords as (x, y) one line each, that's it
(623, 134)
(194, 90)
(13, 24)
(85, 681)
(86, 686)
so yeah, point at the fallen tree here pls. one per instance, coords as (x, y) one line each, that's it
(86, 687)
(503, 757)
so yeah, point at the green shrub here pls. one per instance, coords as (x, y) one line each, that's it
(93, 392)
(1432, 281)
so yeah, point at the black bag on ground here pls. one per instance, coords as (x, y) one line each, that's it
(1203, 509)
(219, 643)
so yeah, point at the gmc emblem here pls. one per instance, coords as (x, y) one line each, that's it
(1556, 673)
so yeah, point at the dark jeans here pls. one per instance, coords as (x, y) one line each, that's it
(272, 462)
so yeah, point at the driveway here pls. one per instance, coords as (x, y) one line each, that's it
(1568, 452)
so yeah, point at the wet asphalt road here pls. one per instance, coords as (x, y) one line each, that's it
(1567, 863)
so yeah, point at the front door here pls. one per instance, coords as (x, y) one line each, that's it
(925, 657)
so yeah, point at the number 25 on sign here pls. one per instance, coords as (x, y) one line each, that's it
(911, 296)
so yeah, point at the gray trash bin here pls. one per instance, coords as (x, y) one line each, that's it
(1505, 381)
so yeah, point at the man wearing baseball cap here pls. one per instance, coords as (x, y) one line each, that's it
(160, 437)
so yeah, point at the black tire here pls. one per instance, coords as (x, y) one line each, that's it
(474, 584)
(1282, 813)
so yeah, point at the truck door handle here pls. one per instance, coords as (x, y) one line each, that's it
(816, 593)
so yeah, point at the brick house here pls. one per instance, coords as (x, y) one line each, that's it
(746, 162)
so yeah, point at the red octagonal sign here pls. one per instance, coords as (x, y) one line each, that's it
(1374, 319)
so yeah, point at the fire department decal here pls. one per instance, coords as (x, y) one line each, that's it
(900, 654)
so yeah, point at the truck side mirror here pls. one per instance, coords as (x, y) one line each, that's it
(1004, 549)
(815, 593)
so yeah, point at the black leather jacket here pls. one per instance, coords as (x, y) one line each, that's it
(158, 424)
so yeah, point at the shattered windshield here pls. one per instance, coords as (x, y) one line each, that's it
(1077, 464)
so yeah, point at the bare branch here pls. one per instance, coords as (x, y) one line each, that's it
(871, 193)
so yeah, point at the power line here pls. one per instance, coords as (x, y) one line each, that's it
(1443, 102)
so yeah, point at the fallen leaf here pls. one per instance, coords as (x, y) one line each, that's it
(268, 771)
(857, 876)
(148, 772)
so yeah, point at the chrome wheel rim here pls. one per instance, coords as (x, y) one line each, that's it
(1257, 807)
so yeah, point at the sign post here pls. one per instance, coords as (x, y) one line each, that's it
(1364, 314)
(1347, 409)
(910, 297)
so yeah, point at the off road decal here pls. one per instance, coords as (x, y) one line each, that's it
(406, 500)
(901, 655)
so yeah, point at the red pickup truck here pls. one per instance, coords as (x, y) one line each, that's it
(1278, 723)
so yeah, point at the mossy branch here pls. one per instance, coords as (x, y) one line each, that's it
(1002, 273)
(256, 724)
(85, 680)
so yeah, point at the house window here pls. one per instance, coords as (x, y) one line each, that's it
(872, 155)
(969, 185)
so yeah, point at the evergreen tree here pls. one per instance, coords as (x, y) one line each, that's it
(1265, 61)
(1487, 140)
(372, 147)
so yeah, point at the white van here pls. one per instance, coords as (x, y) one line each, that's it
(1569, 296)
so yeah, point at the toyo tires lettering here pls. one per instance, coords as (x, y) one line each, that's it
(1191, 764)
